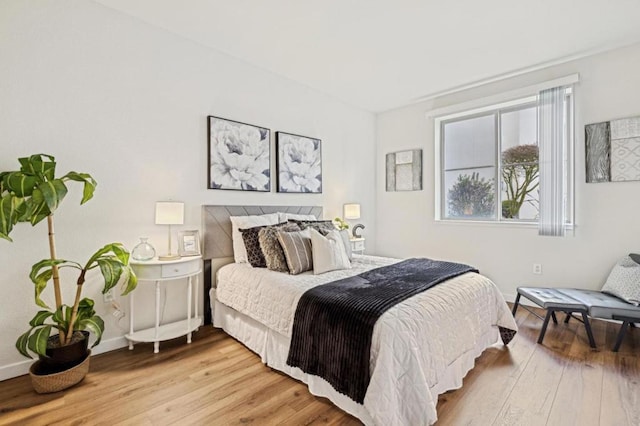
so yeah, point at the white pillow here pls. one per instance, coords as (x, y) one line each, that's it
(624, 281)
(286, 216)
(328, 252)
(346, 239)
(243, 222)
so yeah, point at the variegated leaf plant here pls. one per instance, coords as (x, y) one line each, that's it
(33, 194)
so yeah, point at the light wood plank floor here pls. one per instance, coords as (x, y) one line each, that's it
(216, 381)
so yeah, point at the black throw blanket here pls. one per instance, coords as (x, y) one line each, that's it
(333, 323)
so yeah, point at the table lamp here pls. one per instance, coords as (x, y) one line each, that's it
(352, 211)
(169, 213)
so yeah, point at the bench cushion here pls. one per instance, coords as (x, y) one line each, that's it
(551, 298)
(602, 305)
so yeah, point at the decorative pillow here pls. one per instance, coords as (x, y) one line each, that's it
(297, 250)
(252, 246)
(328, 252)
(286, 216)
(271, 248)
(322, 226)
(346, 240)
(624, 280)
(237, 222)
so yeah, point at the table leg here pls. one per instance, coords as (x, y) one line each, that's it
(189, 288)
(131, 319)
(156, 343)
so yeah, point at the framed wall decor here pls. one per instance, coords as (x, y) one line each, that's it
(188, 243)
(299, 163)
(239, 156)
(404, 170)
(613, 150)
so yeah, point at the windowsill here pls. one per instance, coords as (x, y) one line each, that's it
(504, 224)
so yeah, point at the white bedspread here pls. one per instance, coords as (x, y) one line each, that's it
(421, 347)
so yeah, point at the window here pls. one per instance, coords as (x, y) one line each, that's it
(488, 168)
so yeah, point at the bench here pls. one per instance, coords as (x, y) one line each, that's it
(587, 303)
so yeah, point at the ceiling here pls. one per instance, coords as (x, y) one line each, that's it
(381, 54)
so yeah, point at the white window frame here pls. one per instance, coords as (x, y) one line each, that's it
(511, 99)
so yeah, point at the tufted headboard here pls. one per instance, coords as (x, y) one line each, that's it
(217, 243)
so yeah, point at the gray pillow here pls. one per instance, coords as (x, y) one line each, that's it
(271, 248)
(322, 226)
(624, 281)
(297, 250)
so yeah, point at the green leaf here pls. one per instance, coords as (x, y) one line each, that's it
(85, 309)
(40, 318)
(53, 192)
(21, 344)
(40, 284)
(120, 251)
(58, 316)
(111, 269)
(20, 184)
(38, 340)
(36, 208)
(95, 324)
(42, 272)
(41, 165)
(8, 215)
(131, 282)
(89, 184)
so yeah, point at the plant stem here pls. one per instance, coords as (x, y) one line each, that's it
(74, 311)
(54, 268)
(55, 272)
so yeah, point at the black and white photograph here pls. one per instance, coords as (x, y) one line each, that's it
(238, 156)
(299, 163)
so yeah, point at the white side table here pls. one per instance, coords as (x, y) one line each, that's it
(357, 245)
(158, 271)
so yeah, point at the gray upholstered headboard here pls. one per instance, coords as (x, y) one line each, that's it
(216, 224)
(217, 243)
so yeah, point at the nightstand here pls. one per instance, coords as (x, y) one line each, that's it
(357, 245)
(158, 271)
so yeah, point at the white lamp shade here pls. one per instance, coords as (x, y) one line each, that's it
(169, 213)
(352, 211)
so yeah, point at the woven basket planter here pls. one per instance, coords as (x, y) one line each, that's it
(48, 383)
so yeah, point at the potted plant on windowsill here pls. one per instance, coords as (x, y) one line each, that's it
(32, 194)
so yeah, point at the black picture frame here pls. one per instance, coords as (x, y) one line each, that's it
(298, 163)
(239, 155)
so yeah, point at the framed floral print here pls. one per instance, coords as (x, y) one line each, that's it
(299, 163)
(239, 156)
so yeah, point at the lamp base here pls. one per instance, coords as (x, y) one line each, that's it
(169, 257)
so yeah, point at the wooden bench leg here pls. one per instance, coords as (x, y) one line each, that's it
(544, 325)
(515, 305)
(587, 326)
(623, 330)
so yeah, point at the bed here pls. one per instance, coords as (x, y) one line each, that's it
(420, 348)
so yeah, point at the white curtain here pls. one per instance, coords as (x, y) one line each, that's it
(553, 141)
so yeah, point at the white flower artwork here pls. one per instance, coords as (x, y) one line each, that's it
(238, 156)
(299, 164)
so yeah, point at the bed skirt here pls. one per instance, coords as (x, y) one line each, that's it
(273, 348)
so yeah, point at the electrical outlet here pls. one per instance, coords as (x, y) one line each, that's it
(108, 297)
(537, 268)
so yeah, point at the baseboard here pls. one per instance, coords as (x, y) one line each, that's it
(20, 368)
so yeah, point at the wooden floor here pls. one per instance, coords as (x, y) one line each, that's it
(216, 381)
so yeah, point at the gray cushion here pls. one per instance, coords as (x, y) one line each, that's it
(602, 305)
(598, 304)
(550, 298)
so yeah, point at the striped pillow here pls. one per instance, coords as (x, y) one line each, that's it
(297, 250)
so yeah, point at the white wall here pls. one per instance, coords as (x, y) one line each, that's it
(127, 102)
(606, 213)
